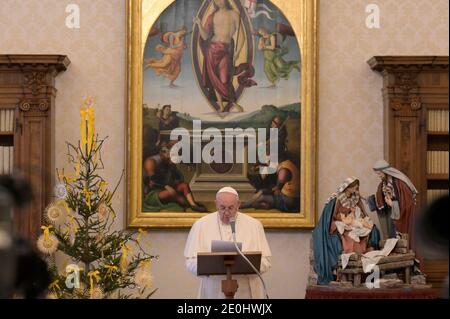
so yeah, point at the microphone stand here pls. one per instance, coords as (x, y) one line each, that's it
(233, 232)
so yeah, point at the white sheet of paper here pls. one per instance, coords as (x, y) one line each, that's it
(224, 246)
(344, 259)
(373, 257)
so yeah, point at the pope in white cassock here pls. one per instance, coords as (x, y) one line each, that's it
(216, 226)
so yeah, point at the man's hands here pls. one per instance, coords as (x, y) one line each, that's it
(388, 200)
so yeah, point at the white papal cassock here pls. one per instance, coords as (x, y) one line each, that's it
(249, 231)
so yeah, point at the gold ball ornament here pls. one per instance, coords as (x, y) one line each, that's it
(48, 245)
(54, 212)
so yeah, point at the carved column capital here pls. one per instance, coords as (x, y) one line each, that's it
(38, 105)
(412, 103)
(402, 90)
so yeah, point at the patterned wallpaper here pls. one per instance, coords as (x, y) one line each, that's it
(350, 105)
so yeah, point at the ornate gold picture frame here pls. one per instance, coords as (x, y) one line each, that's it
(179, 57)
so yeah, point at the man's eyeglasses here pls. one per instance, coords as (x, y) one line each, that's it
(224, 209)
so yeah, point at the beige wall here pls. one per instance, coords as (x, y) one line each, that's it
(350, 112)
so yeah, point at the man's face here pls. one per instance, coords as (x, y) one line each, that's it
(167, 110)
(381, 175)
(165, 154)
(227, 204)
(220, 3)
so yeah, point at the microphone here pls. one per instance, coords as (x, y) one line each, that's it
(233, 231)
(233, 225)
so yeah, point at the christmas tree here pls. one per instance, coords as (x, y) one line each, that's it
(99, 262)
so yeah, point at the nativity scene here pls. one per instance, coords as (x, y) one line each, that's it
(356, 236)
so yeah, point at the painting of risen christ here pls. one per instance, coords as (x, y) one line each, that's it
(222, 53)
(229, 65)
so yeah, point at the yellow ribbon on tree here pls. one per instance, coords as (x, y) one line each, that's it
(69, 178)
(110, 269)
(87, 195)
(46, 230)
(91, 129)
(83, 121)
(93, 274)
(54, 285)
(123, 258)
(62, 176)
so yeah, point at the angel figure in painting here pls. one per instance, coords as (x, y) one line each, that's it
(275, 66)
(169, 65)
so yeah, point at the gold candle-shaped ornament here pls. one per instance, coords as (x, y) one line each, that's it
(87, 124)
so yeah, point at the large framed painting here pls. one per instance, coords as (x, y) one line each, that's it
(221, 93)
